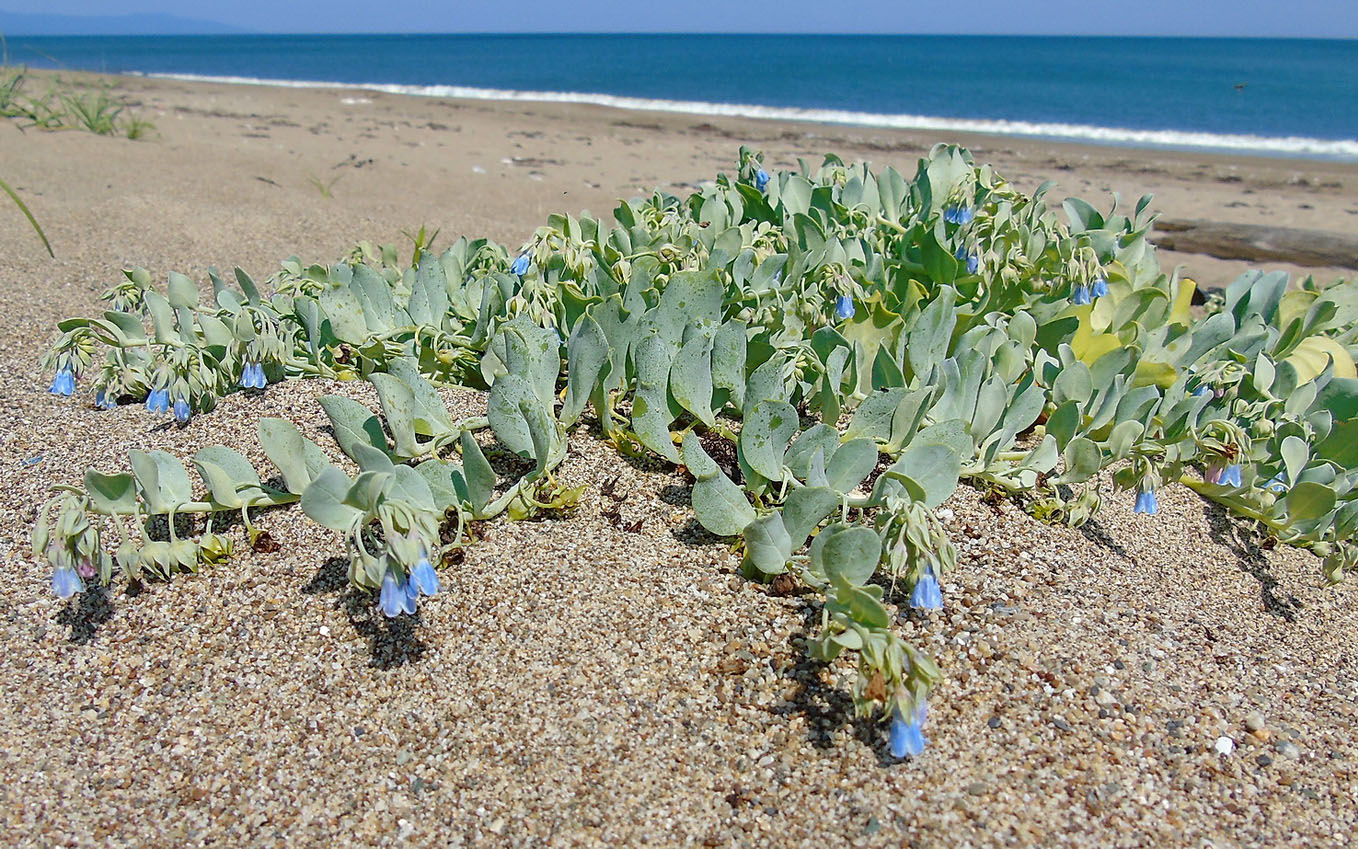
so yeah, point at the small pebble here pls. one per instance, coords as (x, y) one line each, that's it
(1254, 721)
(1225, 745)
(1263, 760)
(976, 788)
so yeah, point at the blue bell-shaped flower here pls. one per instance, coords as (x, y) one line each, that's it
(252, 376)
(63, 383)
(761, 179)
(392, 599)
(907, 736)
(66, 583)
(958, 214)
(409, 596)
(1146, 503)
(520, 266)
(844, 308)
(158, 401)
(424, 578)
(927, 594)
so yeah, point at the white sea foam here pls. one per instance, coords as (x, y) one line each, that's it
(1344, 149)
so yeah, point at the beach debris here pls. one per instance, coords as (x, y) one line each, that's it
(1260, 243)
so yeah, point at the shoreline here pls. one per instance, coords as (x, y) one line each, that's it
(1187, 141)
(570, 156)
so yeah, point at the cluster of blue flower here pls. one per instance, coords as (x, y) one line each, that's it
(958, 214)
(1086, 293)
(397, 597)
(252, 376)
(159, 402)
(972, 260)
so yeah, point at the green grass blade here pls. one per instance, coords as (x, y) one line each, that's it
(29, 215)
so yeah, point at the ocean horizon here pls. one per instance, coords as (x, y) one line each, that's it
(1273, 97)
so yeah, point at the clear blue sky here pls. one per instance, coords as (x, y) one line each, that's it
(1319, 18)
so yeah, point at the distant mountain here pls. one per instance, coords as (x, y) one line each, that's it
(15, 23)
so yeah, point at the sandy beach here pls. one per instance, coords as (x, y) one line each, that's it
(589, 681)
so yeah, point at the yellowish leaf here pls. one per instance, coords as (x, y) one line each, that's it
(1089, 345)
(1294, 305)
(1183, 300)
(1115, 271)
(1160, 374)
(1311, 356)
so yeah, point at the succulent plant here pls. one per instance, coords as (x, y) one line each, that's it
(836, 327)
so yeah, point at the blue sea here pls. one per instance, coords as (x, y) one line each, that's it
(1279, 97)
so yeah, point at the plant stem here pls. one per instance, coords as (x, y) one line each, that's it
(29, 215)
